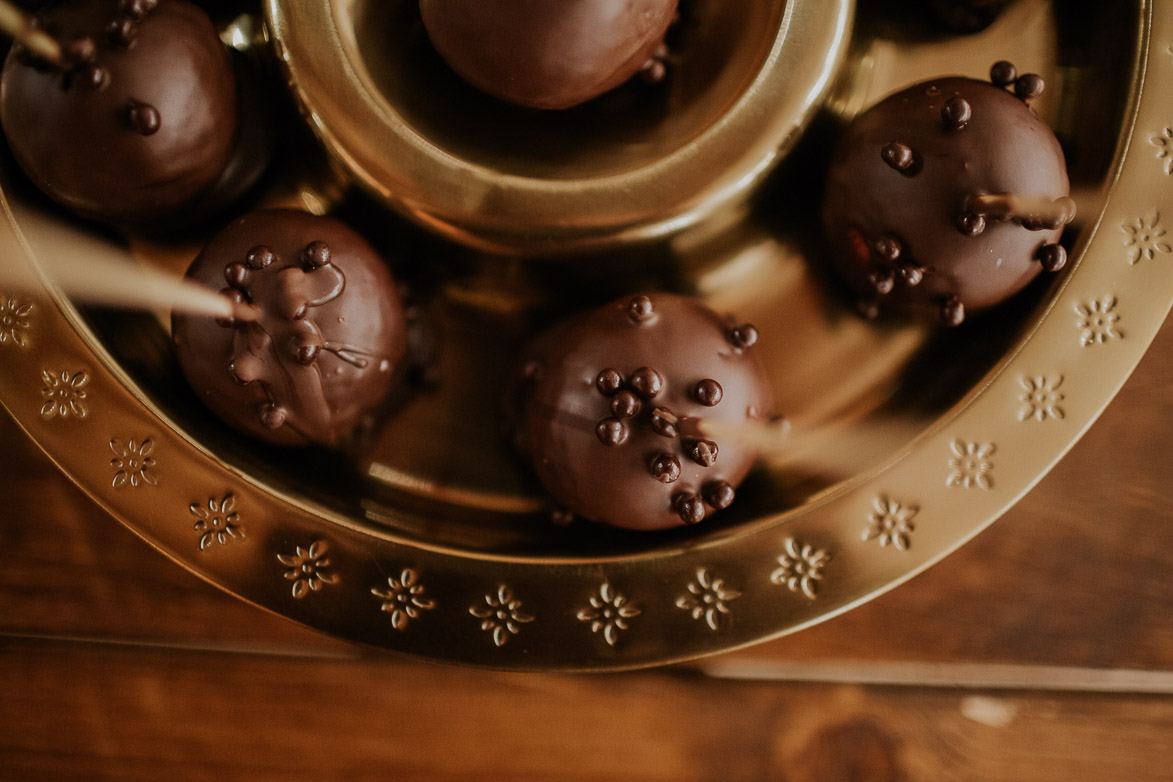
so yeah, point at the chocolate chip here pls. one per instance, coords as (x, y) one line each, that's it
(640, 310)
(1052, 257)
(259, 257)
(956, 113)
(718, 494)
(708, 392)
(703, 452)
(898, 156)
(316, 255)
(743, 336)
(647, 382)
(143, 118)
(665, 468)
(887, 249)
(1029, 86)
(952, 312)
(624, 404)
(611, 431)
(689, 507)
(608, 382)
(1003, 73)
(971, 224)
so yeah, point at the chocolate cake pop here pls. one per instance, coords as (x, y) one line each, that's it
(948, 197)
(136, 118)
(616, 405)
(328, 338)
(549, 54)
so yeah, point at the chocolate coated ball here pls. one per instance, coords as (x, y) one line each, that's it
(653, 466)
(329, 336)
(547, 54)
(946, 198)
(136, 121)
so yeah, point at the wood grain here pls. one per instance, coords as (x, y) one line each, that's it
(75, 711)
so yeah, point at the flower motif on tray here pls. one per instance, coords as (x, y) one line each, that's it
(15, 320)
(1163, 141)
(1098, 319)
(307, 568)
(891, 523)
(217, 520)
(133, 463)
(501, 615)
(609, 612)
(64, 394)
(1146, 240)
(403, 598)
(801, 568)
(971, 465)
(1040, 398)
(707, 598)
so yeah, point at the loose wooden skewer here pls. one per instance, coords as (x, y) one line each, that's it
(15, 23)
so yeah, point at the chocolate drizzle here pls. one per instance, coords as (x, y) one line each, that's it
(328, 335)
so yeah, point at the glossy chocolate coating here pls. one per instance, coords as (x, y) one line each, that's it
(611, 417)
(547, 54)
(135, 124)
(329, 339)
(901, 214)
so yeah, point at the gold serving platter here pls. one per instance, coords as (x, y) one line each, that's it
(429, 537)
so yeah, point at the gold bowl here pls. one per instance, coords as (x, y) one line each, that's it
(633, 164)
(434, 542)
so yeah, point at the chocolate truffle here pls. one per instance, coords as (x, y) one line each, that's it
(947, 197)
(965, 16)
(616, 405)
(136, 120)
(549, 54)
(328, 337)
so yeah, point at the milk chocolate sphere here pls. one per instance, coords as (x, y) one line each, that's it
(327, 340)
(947, 197)
(547, 54)
(136, 120)
(616, 405)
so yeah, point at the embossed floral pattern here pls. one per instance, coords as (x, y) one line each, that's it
(133, 463)
(15, 320)
(971, 465)
(608, 612)
(707, 598)
(1040, 398)
(1145, 239)
(891, 523)
(64, 394)
(501, 615)
(217, 521)
(403, 598)
(801, 568)
(308, 568)
(1098, 321)
(1163, 141)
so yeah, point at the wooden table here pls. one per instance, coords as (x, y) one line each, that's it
(1042, 650)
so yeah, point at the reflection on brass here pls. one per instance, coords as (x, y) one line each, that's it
(432, 540)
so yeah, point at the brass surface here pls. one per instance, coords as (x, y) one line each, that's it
(431, 539)
(632, 165)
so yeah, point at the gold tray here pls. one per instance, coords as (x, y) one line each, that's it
(432, 540)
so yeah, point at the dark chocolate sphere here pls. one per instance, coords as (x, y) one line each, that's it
(329, 337)
(611, 421)
(547, 54)
(136, 121)
(947, 197)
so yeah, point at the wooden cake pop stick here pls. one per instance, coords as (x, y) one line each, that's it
(17, 25)
(114, 282)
